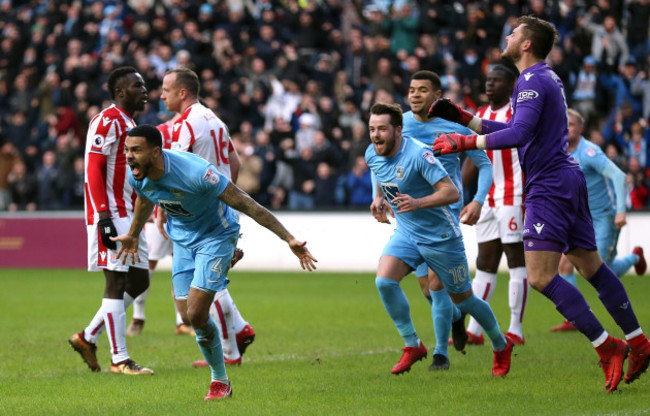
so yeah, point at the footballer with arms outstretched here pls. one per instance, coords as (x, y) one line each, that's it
(203, 225)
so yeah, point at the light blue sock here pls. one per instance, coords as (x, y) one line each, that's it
(571, 278)
(397, 306)
(621, 265)
(210, 346)
(441, 312)
(483, 314)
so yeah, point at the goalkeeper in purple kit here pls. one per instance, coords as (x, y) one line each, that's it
(557, 210)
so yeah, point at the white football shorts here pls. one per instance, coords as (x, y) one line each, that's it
(504, 223)
(159, 247)
(101, 258)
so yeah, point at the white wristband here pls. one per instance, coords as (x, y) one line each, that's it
(480, 142)
(475, 124)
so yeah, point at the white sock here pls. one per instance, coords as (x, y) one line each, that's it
(221, 312)
(128, 300)
(115, 321)
(96, 327)
(238, 322)
(483, 287)
(517, 299)
(138, 305)
(179, 318)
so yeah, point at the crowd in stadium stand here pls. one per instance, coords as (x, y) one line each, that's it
(294, 80)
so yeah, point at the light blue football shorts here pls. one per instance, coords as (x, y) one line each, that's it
(446, 258)
(606, 236)
(204, 268)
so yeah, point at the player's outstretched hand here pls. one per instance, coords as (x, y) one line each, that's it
(471, 213)
(129, 246)
(378, 209)
(299, 248)
(406, 203)
(453, 143)
(444, 108)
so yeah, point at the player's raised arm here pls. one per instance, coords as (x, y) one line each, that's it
(241, 201)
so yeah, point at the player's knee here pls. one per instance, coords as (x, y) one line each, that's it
(487, 264)
(384, 284)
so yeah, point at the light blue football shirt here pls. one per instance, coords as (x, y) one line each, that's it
(189, 192)
(413, 171)
(597, 168)
(426, 132)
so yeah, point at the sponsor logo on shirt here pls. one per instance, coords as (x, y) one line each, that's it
(539, 227)
(211, 176)
(528, 75)
(428, 156)
(399, 172)
(106, 121)
(527, 95)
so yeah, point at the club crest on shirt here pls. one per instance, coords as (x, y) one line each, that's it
(428, 156)
(177, 193)
(211, 176)
(590, 152)
(399, 172)
(527, 95)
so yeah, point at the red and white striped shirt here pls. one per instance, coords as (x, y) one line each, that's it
(165, 130)
(106, 181)
(508, 179)
(200, 131)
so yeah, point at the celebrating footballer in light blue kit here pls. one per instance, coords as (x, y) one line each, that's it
(203, 227)
(606, 190)
(418, 189)
(557, 216)
(443, 311)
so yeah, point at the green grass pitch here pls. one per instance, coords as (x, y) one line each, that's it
(324, 346)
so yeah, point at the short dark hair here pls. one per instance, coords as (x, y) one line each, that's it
(541, 33)
(508, 73)
(393, 110)
(431, 76)
(116, 75)
(149, 132)
(186, 78)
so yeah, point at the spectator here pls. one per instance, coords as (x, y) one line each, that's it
(359, 184)
(325, 186)
(51, 182)
(23, 187)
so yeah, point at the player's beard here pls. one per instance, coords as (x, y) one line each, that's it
(512, 52)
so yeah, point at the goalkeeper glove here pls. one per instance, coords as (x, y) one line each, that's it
(446, 109)
(106, 231)
(453, 143)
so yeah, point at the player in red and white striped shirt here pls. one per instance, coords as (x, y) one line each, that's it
(159, 247)
(200, 131)
(109, 207)
(500, 227)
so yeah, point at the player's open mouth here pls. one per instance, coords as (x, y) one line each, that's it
(135, 169)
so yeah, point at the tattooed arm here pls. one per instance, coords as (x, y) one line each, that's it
(241, 201)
